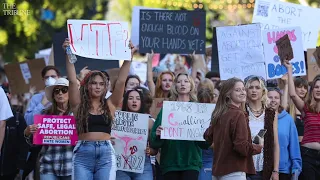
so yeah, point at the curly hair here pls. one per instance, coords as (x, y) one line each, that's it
(158, 90)
(85, 106)
(174, 92)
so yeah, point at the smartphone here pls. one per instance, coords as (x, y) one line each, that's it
(261, 134)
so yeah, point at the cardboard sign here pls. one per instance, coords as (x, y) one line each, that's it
(316, 55)
(22, 76)
(274, 67)
(99, 39)
(274, 14)
(313, 68)
(60, 58)
(156, 106)
(285, 51)
(240, 51)
(55, 130)
(185, 120)
(131, 133)
(165, 31)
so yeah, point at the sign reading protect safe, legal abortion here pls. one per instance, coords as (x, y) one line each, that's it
(185, 120)
(273, 64)
(107, 40)
(55, 130)
(130, 131)
(165, 31)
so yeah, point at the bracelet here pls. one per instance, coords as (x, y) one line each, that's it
(274, 171)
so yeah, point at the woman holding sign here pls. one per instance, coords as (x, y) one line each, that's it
(132, 102)
(94, 156)
(310, 109)
(179, 159)
(55, 160)
(263, 117)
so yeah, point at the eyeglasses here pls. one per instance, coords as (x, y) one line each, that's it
(63, 90)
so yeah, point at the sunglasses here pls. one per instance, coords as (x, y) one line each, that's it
(63, 90)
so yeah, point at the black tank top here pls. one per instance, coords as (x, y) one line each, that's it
(99, 123)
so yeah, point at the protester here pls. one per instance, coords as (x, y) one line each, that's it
(290, 157)
(132, 102)
(132, 81)
(15, 149)
(94, 156)
(179, 159)
(5, 113)
(310, 145)
(263, 117)
(230, 133)
(39, 102)
(213, 76)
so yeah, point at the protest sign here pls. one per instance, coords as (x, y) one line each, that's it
(22, 76)
(285, 51)
(274, 14)
(185, 120)
(313, 68)
(274, 68)
(140, 69)
(135, 23)
(240, 51)
(60, 58)
(316, 55)
(131, 135)
(165, 31)
(107, 40)
(55, 130)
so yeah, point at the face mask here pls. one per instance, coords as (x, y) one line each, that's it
(50, 81)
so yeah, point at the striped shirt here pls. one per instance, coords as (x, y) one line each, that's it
(311, 126)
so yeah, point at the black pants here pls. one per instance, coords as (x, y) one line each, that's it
(284, 176)
(8, 177)
(310, 164)
(159, 175)
(182, 175)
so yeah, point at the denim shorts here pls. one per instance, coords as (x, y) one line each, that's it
(94, 160)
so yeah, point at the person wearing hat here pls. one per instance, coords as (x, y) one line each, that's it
(55, 161)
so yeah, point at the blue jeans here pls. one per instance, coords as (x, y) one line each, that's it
(94, 160)
(207, 161)
(54, 177)
(146, 175)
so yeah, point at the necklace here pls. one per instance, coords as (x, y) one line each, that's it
(260, 111)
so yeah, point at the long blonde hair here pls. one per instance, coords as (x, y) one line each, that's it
(224, 99)
(159, 91)
(174, 92)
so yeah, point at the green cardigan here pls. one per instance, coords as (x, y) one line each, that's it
(177, 155)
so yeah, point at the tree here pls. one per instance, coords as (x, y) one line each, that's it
(23, 35)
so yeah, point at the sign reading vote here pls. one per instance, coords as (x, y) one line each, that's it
(185, 120)
(240, 51)
(107, 40)
(273, 61)
(165, 31)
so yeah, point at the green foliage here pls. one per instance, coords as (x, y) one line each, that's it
(23, 35)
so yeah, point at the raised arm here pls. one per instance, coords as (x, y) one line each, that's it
(74, 93)
(285, 94)
(151, 84)
(117, 93)
(292, 92)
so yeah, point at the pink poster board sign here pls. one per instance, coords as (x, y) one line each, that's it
(55, 130)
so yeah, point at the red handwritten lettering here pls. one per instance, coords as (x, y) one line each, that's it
(169, 120)
(172, 131)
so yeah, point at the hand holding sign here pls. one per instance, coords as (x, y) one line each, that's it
(284, 48)
(316, 55)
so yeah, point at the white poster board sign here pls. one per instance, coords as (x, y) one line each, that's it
(130, 131)
(240, 51)
(274, 14)
(185, 120)
(273, 64)
(107, 40)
